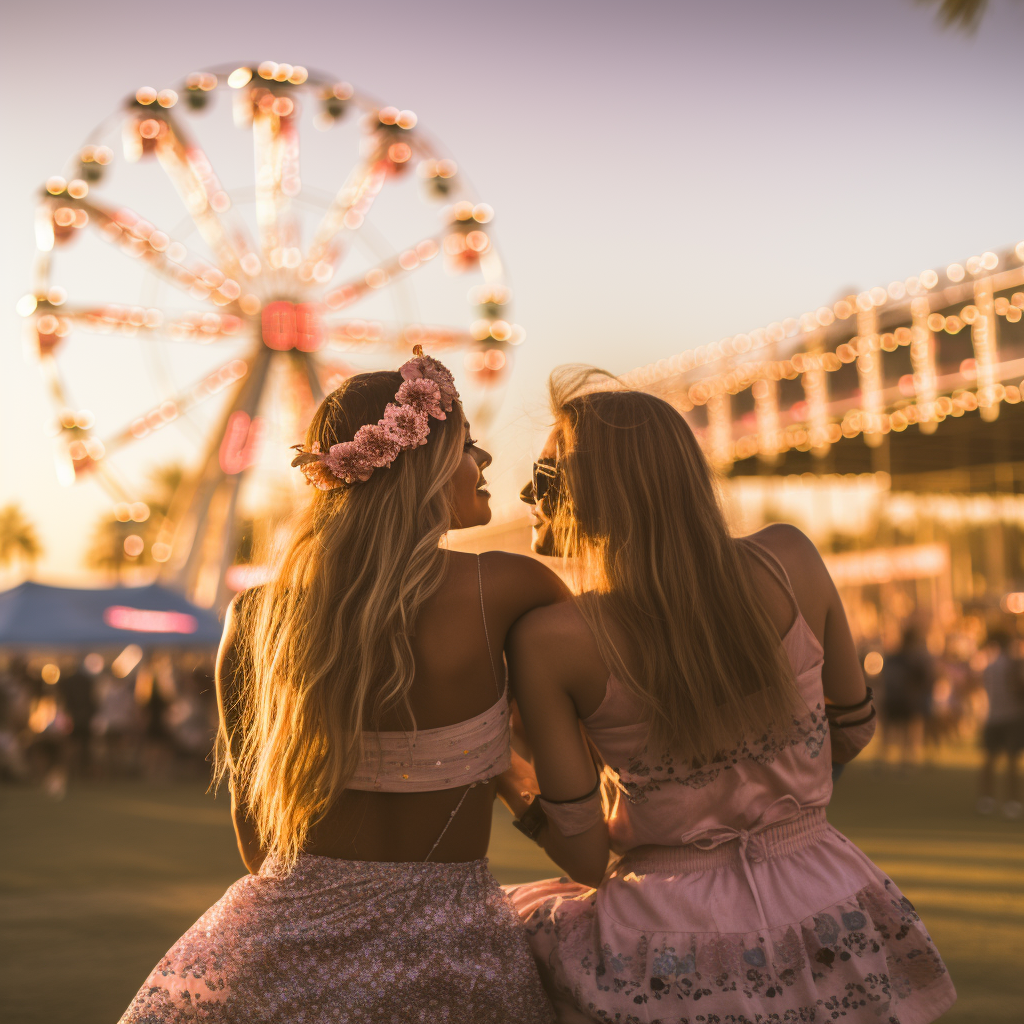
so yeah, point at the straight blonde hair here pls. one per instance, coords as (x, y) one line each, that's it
(324, 649)
(639, 522)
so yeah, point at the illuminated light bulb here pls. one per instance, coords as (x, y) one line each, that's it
(897, 290)
(455, 245)
(376, 278)
(220, 202)
(494, 359)
(230, 289)
(388, 115)
(94, 448)
(26, 305)
(864, 302)
(159, 241)
(447, 168)
(427, 249)
(480, 329)
(928, 278)
(134, 545)
(408, 260)
(55, 185)
(342, 91)
(462, 211)
(122, 512)
(64, 216)
(176, 252)
(282, 72)
(969, 314)
(167, 97)
(989, 261)
(146, 95)
(824, 316)
(878, 296)
(474, 361)
(501, 330)
(160, 551)
(47, 324)
(292, 257)
(299, 75)
(56, 296)
(78, 189)
(250, 304)
(478, 241)
(240, 77)
(399, 152)
(266, 69)
(1013, 314)
(1001, 305)
(954, 325)
(955, 272)
(842, 309)
(518, 335)
(323, 272)
(282, 106)
(889, 343)
(973, 265)
(406, 119)
(936, 322)
(150, 128)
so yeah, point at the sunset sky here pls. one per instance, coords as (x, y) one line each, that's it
(664, 173)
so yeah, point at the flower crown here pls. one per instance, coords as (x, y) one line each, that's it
(428, 390)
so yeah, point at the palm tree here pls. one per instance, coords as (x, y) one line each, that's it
(18, 538)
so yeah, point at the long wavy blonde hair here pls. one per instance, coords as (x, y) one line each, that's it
(324, 650)
(639, 522)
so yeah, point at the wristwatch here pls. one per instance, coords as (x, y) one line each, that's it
(532, 820)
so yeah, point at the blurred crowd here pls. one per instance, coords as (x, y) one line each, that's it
(147, 716)
(938, 691)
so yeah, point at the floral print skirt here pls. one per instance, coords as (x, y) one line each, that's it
(791, 924)
(339, 940)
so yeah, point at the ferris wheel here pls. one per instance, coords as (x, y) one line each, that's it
(261, 300)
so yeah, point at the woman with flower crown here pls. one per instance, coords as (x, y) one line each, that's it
(716, 680)
(364, 718)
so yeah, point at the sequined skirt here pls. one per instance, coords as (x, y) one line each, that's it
(339, 940)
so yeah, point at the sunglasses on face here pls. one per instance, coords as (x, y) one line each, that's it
(544, 482)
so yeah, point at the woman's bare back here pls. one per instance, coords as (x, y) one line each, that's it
(457, 678)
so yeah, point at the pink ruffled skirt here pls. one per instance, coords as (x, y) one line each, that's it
(791, 924)
(339, 940)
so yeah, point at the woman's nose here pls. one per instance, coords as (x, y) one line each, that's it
(483, 458)
(526, 494)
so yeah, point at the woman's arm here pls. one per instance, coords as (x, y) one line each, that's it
(849, 708)
(228, 678)
(545, 662)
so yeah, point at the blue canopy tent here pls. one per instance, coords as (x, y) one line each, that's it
(34, 615)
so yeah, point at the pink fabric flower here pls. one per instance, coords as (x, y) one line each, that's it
(426, 367)
(424, 395)
(376, 446)
(406, 425)
(347, 462)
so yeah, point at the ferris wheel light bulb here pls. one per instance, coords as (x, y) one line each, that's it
(146, 95)
(27, 305)
(240, 77)
(55, 185)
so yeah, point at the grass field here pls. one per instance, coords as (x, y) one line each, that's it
(93, 889)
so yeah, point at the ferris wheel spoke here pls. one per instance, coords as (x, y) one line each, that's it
(139, 239)
(345, 214)
(172, 408)
(199, 327)
(385, 273)
(362, 334)
(276, 147)
(192, 175)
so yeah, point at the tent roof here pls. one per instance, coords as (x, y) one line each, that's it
(35, 615)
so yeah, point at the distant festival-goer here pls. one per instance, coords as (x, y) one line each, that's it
(716, 679)
(1003, 733)
(364, 717)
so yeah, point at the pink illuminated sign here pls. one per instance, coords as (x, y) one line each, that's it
(145, 620)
